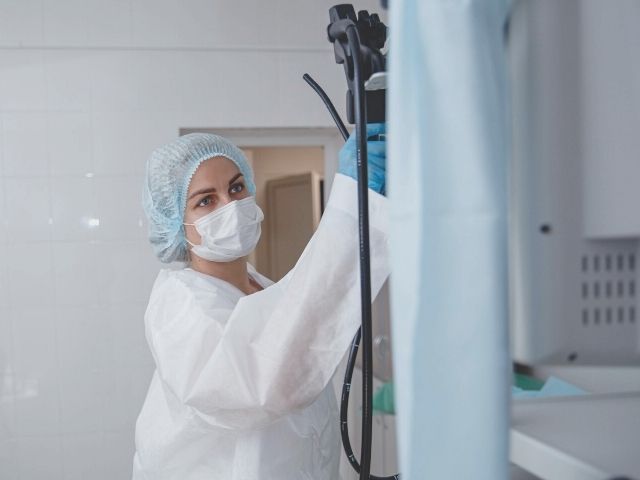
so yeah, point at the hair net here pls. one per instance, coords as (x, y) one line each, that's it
(168, 174)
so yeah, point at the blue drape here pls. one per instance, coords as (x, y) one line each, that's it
(448, 145)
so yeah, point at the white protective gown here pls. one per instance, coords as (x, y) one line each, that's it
(242, 387)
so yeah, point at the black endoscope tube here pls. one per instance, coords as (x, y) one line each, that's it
(353, 352)
(332, 110)
(344, 403)
(365, 261)
(351, 362)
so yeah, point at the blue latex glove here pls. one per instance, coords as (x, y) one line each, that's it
(376, 157)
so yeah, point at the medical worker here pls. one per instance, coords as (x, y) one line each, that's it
(242, 388)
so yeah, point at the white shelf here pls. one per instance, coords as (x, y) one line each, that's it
(582, 437)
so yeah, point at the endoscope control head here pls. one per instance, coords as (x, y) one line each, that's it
(373, 35)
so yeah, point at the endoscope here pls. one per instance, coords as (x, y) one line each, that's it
(357, 42)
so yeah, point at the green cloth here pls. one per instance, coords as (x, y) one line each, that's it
(525, 382)
(383, 399)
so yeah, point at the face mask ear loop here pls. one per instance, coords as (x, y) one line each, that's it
(185, 236)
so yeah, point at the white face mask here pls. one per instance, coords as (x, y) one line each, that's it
(230, 232)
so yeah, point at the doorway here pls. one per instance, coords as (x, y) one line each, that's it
(289, 190)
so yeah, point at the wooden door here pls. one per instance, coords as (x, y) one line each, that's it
(294, 207)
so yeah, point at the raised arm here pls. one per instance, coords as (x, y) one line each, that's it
(279, 347)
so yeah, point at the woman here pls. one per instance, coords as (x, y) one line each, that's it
(242, 385)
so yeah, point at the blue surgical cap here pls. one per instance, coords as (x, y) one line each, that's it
(167, 178)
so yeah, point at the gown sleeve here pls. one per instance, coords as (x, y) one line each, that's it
(279, 347)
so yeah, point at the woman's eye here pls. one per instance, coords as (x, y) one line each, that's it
(205, 202)
(236, 188)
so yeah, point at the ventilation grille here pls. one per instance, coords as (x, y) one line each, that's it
(608, 289)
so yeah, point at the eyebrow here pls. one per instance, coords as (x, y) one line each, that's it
(212, 190)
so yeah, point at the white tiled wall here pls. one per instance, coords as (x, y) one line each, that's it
(87, 89)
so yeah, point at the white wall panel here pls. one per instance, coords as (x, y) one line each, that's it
(21, 22)
(39, 458)
(29, 270)
(204, 23)
(65, 23)
(37, 377)
(161, 77)
(115, 77)
(68, 143)
(110, 22)
(7, 427)
(114, 226)
(120, 278)
(28, 209)
(246, 89)
(3, 217)
(81, 456)
(4, 303)
(73, 205)
(76, 277)
(65, 75)
(82, 360)
(22, 83)
(24, 145)
(122, 141)
(8, 458)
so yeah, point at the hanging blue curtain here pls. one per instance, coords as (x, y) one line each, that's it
(448, 148)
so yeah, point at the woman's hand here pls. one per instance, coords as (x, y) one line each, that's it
(376, 157)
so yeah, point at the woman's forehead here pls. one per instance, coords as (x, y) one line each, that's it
(214, 170)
